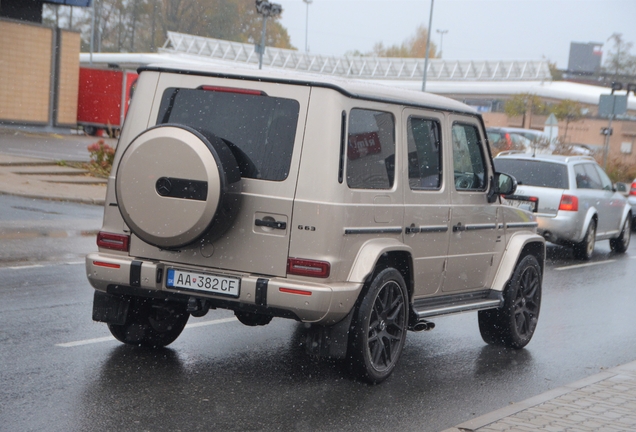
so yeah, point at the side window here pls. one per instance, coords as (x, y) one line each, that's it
(605, 180)
(587, 177)
(424, 153)
(370, 149)
(468, 158)
(582, 181)
(595, 179)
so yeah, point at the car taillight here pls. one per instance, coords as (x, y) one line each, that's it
(632, 191)
(118, 242)
(508, 141)
(569, 203)
(305, 267)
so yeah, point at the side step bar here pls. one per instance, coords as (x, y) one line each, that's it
(456, 303)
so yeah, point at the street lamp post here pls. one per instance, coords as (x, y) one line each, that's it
(428, 46)
(308, 2)
(441, 40)
(266, 9)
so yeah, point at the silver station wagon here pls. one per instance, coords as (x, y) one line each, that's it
(361, 211)
(573, 199)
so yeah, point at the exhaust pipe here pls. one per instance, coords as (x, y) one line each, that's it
(422, 325)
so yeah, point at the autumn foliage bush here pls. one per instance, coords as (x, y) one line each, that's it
(102, 156)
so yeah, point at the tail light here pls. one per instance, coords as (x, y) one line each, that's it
(632, 191)
(508, 141)
(112, 241)
(569, 203)
(305, 267)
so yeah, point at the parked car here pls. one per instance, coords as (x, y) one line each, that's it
(503, 140)
(624, 189)
(362, 211)
(631, 198)
(573, 199)
(532, 134)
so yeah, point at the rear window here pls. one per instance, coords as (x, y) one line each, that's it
(259, 129)
(535, 173)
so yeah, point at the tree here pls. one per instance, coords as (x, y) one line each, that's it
(413, 47)
(620, 62)
(567, 110)
(142, 25)
(555, 73)
(523, 104)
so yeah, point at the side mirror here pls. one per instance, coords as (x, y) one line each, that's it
(506, 184)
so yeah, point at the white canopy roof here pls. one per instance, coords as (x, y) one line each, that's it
(448, 78)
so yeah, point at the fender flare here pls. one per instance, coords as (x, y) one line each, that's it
(368, 256)
(591, 212)
(516, 244)
(626, 212)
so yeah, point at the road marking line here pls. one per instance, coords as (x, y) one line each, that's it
(110, 338)
(30, 266)
(85, 342)
(575, 266)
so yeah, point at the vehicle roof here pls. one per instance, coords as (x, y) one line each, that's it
(522, 130)
(562, 159)
(350, 87)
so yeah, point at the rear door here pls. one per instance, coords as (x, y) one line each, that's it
(615, 202)
(592, 194)
(426, 199)
(265, 121)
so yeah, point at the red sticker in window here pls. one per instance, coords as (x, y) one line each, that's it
(363, 144)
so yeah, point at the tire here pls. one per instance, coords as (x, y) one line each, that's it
(621, 243)
(90, 130)
(379, 327)
(585, 249)
(151, 325)
(175, 185)
(514, 323)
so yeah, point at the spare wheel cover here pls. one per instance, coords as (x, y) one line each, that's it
(168, 186)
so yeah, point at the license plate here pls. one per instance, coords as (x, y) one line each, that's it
(212, 284)
(523, 204)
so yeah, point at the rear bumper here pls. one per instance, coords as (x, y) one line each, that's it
(306, 301)
(565, 227)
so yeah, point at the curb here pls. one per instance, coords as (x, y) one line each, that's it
(492, 417)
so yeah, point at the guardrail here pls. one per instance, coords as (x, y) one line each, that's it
(359, 67)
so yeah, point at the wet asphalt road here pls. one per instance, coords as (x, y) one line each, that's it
(221, 375)
(48, 146)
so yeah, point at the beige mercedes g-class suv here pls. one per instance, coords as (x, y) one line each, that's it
(360, 210)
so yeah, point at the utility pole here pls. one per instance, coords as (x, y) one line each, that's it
(308, 2)
(266, 9)
(428, 46)
(441, 41)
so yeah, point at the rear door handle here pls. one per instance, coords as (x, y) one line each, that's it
(271, 224)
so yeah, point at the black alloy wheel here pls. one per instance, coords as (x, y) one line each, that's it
(514, 323)
(380, 327)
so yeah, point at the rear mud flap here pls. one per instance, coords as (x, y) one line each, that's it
(109, 308)
(329, 341)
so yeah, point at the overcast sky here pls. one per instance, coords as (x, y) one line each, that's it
(477, 29)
